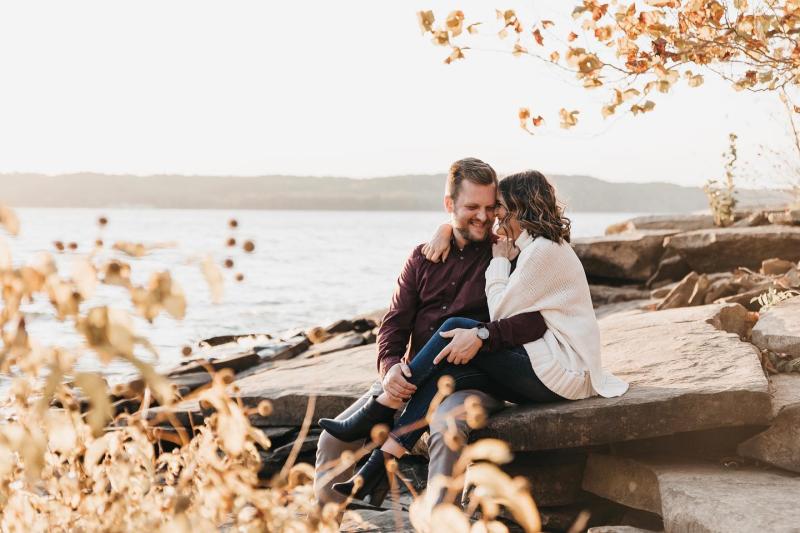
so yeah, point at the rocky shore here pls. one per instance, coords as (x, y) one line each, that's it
(707, 439)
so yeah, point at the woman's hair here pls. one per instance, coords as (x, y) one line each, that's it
(532, 199)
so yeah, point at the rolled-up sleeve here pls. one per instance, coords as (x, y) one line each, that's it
(515, 331)
(398, 324)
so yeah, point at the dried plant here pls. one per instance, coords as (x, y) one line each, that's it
(722, 197)
(772, 297)
(68, 462)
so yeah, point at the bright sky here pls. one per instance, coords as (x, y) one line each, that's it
(324, 87)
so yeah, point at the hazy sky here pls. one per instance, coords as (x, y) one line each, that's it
(323, 88)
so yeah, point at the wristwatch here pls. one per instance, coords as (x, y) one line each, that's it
(483, 332)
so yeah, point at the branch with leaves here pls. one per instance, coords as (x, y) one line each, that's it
(640, 49)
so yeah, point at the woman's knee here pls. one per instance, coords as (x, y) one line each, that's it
(458, 322)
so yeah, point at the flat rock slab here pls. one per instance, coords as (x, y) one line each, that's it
(723, 249)
(778, 328)
(662, 222)
(626, 256)
(336, 379)
(694, 497)
(780, 444)
(685, 375)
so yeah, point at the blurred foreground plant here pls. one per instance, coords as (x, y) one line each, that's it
(69, 462)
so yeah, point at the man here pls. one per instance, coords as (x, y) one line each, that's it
(426, 295)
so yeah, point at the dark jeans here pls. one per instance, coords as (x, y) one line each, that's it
(505, 374)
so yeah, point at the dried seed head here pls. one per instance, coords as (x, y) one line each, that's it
(102, 221)
(264, 408)
(73, 246)
(228, 263)
(233, 223)
(186, 351)
(379, 433)
(446, 385)
(239, 276)
(59, 245)
(225, 375)
(98, 243)
(231, 242)
(391, 466)
(249, 246)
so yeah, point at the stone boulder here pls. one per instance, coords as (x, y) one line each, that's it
(778, 328)
(780, 444)
(695, 496)
(605, 294)
(336, 380)
(722, 249)
(627, 256)
(685, 375)
(663, 222)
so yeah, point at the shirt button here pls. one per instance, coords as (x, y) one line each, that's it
(461, 257)
(452, 283)
(431, 328)
(444, 307)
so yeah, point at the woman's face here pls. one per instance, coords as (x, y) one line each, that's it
(507, 222)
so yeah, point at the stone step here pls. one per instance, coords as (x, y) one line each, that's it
(778, 328)
(694, 496)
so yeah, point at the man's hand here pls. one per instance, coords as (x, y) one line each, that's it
(395, 383)
(462, 348)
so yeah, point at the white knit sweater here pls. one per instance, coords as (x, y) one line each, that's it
(549, 278)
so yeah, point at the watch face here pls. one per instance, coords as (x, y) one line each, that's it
(483, 333)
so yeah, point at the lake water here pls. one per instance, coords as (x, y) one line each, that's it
(309, 267)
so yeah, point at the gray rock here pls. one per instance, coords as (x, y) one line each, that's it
(236, 362)
(627, 256)
(778, 328)
(606, 294)
(780, 444)
(721, 249)
(337, 343)
(685, 375)
(376, 521)
(681, 293)
(776, 267)
(663, 222)
(554, 476)
(629, 307)
(671, 267)
(618, 529)
(695, 497)
(336, 379)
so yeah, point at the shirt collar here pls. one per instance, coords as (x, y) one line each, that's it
(523, 240)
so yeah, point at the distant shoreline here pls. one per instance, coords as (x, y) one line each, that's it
(293, 193)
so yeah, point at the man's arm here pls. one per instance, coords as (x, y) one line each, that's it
(515, 331)
(397, 326)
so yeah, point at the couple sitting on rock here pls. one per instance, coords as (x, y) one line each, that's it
(507, 317)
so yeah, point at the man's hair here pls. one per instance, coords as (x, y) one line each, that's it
(470, 169)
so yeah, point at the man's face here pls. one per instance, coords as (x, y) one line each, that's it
(472, 212)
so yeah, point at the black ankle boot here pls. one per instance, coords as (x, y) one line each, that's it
(358, 425)
(374, 480)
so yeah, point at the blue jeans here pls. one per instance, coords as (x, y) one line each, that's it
(505, 374)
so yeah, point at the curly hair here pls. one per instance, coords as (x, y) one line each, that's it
(532, 199)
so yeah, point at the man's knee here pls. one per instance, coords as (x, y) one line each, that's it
(457, 322)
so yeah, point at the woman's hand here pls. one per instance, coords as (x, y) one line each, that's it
(504, 247)
(439, 246)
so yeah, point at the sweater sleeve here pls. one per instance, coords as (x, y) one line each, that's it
(497, 275)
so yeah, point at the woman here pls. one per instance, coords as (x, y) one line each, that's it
(563, 365)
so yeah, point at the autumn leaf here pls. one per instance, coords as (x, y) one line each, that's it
(537, 35)
(454, 23)
(425, 19)
(519, 50)
(648, 106)
(473, 28)
(555, 56)
(101, 411)
(547, 24)
(568, 118)
(572, 36)
(213, 276)
(456, 54)
(9, 220)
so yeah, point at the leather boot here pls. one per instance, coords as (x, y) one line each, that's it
(358, 425)
(374, 480)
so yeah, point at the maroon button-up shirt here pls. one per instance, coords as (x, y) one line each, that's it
(429, 293)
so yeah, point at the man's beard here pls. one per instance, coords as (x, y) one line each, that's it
(467, 235)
